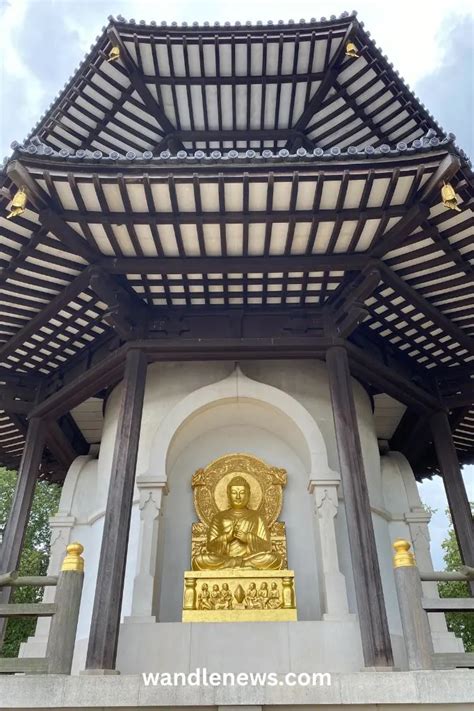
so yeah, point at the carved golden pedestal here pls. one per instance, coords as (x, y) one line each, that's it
(236, 595)
(238, 547)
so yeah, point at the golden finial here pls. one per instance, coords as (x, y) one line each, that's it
(114, 54)
(403, 556)
(74, 559)
(448, 195)
(352, 51)
(18, 205)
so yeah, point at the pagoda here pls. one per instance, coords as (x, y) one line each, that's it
(241, 238)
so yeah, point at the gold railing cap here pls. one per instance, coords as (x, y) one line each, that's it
(74, 559)
(403, 556)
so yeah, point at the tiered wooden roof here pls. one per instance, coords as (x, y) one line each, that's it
(251, 174)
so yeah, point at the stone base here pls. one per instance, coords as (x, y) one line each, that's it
(394, 691)
(239, 595)
(278, 647)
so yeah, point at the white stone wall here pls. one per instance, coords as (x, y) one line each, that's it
(279, 411)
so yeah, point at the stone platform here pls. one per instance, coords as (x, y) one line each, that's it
(380, 691)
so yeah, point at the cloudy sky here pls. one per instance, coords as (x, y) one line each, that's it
(430, 43)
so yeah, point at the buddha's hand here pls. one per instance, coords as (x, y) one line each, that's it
(240, 534)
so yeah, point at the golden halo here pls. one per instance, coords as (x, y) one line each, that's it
(220, 491)
(210, 486)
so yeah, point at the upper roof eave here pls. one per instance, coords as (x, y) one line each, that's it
(345, 19)
(394, 155)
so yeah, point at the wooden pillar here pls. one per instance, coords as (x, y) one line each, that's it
(455, 490)
(375, 635)
(102, 650)
(14, 533)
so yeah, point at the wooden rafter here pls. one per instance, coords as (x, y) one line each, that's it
(138, 81)
(330, 73)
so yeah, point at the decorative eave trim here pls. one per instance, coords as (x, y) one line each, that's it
(352, 154)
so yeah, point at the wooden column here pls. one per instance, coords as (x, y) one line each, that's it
(376, 643)
(102, 650)
(14, 533)
(455, 490)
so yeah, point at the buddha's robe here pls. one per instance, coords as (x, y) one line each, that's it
(225, 550)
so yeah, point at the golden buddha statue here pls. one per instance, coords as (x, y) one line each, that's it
(238, 537)
(238, 546)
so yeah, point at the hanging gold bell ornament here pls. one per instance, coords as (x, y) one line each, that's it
(114, 54)
(351, 50)
(18, 205)
(448, 195)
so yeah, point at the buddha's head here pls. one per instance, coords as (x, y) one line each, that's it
(238, 491)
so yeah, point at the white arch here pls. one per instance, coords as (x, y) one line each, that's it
(235, 387)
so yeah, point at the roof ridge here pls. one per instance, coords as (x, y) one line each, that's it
(253, 24)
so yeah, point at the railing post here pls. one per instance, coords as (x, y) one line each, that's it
(62, 636)
(416, 628)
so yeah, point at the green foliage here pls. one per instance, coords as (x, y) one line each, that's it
(34, 558)
(461, 623)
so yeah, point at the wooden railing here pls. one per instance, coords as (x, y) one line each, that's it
(64, 612)
(414, 608)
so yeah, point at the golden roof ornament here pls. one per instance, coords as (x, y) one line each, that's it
(18, 205)
(352, 51)
(114, 54)
(448, 196)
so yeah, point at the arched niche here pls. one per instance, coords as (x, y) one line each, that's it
(237, 414)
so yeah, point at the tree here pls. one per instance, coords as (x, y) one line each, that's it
(35, 554)
(461, 623)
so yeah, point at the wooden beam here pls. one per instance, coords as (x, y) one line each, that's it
(22, 178)
(447, 169)
(373, 623)
(28, 609)
(59, 445)
(247, 135)
(346, 308)
(138, 81)
(458, 501)
(462, 397)
(47, 216)
(375, 372)
(86, 385)
(33, 326)
(103, 639)
(127, 313)
(448, 604)
(330, 74)
(413, 297)
(236, 217)
(15, 406)
(73, 241)
(226, 265)
(15, 529)
(399, 233)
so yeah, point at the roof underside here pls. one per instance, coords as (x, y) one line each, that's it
(274, 86)
(237, 168)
